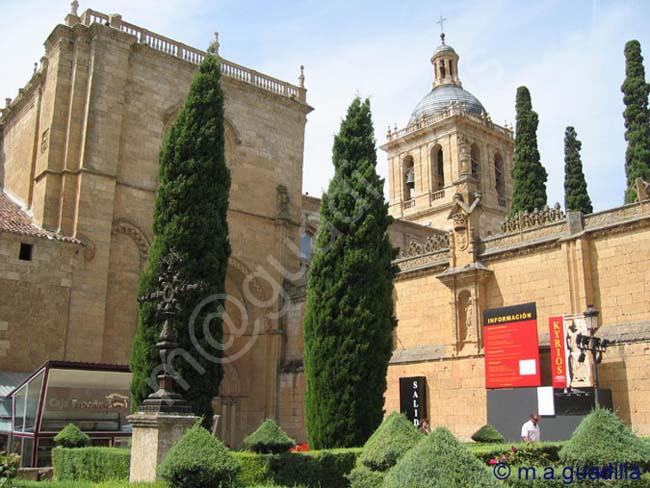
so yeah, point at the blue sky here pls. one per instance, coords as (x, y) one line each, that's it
(569, 54)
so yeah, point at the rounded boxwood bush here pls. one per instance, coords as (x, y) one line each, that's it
(392, 439)
(269, 438)
(603, 438)
(198, 460)
(71, 436)
(439, 461)
(487, 434)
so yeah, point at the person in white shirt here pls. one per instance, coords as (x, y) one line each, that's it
(530, 430)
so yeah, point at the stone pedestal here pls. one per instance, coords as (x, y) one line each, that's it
(153, 435)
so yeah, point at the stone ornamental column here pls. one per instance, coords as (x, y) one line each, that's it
(164, 416)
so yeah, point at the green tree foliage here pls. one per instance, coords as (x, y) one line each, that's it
(394, 437)
(269, 438)
(637, 119)
(190, 217)
(439, 461)
(350, 317)
(198, 460)
(71, 436)
(603, 438)
(528, 175)
(576, 197)
(487, 434)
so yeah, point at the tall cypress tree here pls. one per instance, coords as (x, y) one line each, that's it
(189, 216)
(575, 186)
(528, 175)
(637, 119)
(350, 317)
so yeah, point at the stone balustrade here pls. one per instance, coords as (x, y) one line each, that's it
(451, 111)
(196, 56)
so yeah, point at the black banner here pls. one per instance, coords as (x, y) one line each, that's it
(504, 315)
(413, 398)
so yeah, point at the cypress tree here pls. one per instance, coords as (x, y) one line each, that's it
(637, 119)
(350, 318)
(575, 186)
(189, 216)
(528, 175)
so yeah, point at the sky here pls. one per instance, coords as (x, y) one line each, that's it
(568, 53)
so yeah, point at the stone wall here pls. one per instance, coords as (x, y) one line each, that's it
(35, 304)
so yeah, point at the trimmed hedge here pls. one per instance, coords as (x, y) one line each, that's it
(198, 460)
(364, 477)
(603, 438)
(313, 469)
(269, 438)
(71, 436)
(439, 461)
(487, 434)
(392, 439)
(91, 463)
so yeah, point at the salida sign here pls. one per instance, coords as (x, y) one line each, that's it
(511, 347)
(413, 398)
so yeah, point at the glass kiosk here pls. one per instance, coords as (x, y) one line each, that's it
(94, 397)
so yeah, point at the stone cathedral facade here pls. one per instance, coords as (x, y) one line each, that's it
(78, 165)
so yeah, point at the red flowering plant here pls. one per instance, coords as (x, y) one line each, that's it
(525, 456)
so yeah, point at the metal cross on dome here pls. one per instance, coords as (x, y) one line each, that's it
(169, 287)
(441, 21)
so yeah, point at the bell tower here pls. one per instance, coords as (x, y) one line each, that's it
(448, 129)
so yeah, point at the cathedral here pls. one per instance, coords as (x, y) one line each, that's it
(78, 167)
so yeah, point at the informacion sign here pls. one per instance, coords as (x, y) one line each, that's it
(511, 347)
(559, 352)
(413, 398)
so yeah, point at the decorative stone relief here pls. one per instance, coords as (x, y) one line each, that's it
(433, 243)
(134, 232)
(536, 218)
(283, 201)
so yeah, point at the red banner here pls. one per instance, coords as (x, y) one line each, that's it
(557, 338)
(511, 347)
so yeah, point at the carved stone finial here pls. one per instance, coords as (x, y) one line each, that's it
(74, 8)
(213, 48)
(642, 189)
(35, 67)
(388, 132)
(301, 78)
(7, 102)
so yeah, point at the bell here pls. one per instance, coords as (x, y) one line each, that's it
(410, 179)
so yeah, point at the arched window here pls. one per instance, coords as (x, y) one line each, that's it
(442, 69)
(476, 157)
(437, 168)
(409, 178)
(306, 245)
(499, 181)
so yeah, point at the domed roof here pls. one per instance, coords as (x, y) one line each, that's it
(444, 48)
(441, 97)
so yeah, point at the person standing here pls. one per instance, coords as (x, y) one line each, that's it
(424, 427)
(530, 429)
